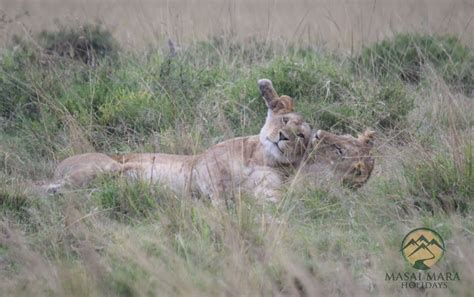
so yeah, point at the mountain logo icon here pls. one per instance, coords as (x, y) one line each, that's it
(422, 248)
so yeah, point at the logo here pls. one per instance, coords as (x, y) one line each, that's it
(422, 248)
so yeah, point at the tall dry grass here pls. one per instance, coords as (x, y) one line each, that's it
(345, 25)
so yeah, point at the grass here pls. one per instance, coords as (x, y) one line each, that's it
(118, 238)
(405, 56)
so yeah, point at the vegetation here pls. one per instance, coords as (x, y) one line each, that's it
(406, 55)
(121, 238)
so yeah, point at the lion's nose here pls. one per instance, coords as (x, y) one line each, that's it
(361, 168)
(283, 137)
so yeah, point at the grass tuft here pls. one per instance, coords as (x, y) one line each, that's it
(405, 55)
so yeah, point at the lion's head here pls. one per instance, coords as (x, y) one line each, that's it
(285, 135)
(344, 156)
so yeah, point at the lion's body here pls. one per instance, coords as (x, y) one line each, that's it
(239, 164)
(79, 170)
(172, 171)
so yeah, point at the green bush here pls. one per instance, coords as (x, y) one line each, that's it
(325, 93)
(405, 54)
(89, 43)
(24, 75)
(390, 106)
(32, 95)
(443, 180)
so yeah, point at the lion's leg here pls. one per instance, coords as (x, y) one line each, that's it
(264, 183)
(209, 180)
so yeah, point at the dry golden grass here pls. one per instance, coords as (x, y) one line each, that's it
(344, 25)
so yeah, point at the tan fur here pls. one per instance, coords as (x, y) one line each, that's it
(255, 164)
(341, 157)
(79, 170)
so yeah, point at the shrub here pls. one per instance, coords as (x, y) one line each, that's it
(390, 104)
(405, 54)
(443, 180)
(87, 43)
(326, 94)
(29, 91)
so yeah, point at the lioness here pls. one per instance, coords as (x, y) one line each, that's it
(255, 164)
(342, 158)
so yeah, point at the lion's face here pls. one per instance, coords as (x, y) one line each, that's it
(347, 157)
(285, 136)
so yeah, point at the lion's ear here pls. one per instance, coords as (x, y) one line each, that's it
(367, 137)
(284, 105)
(277, 104)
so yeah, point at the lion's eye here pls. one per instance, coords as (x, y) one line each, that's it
(339, 151)
(285, 120)
(300, 135)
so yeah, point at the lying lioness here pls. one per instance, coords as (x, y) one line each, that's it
(257, 164)
(342, 158)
